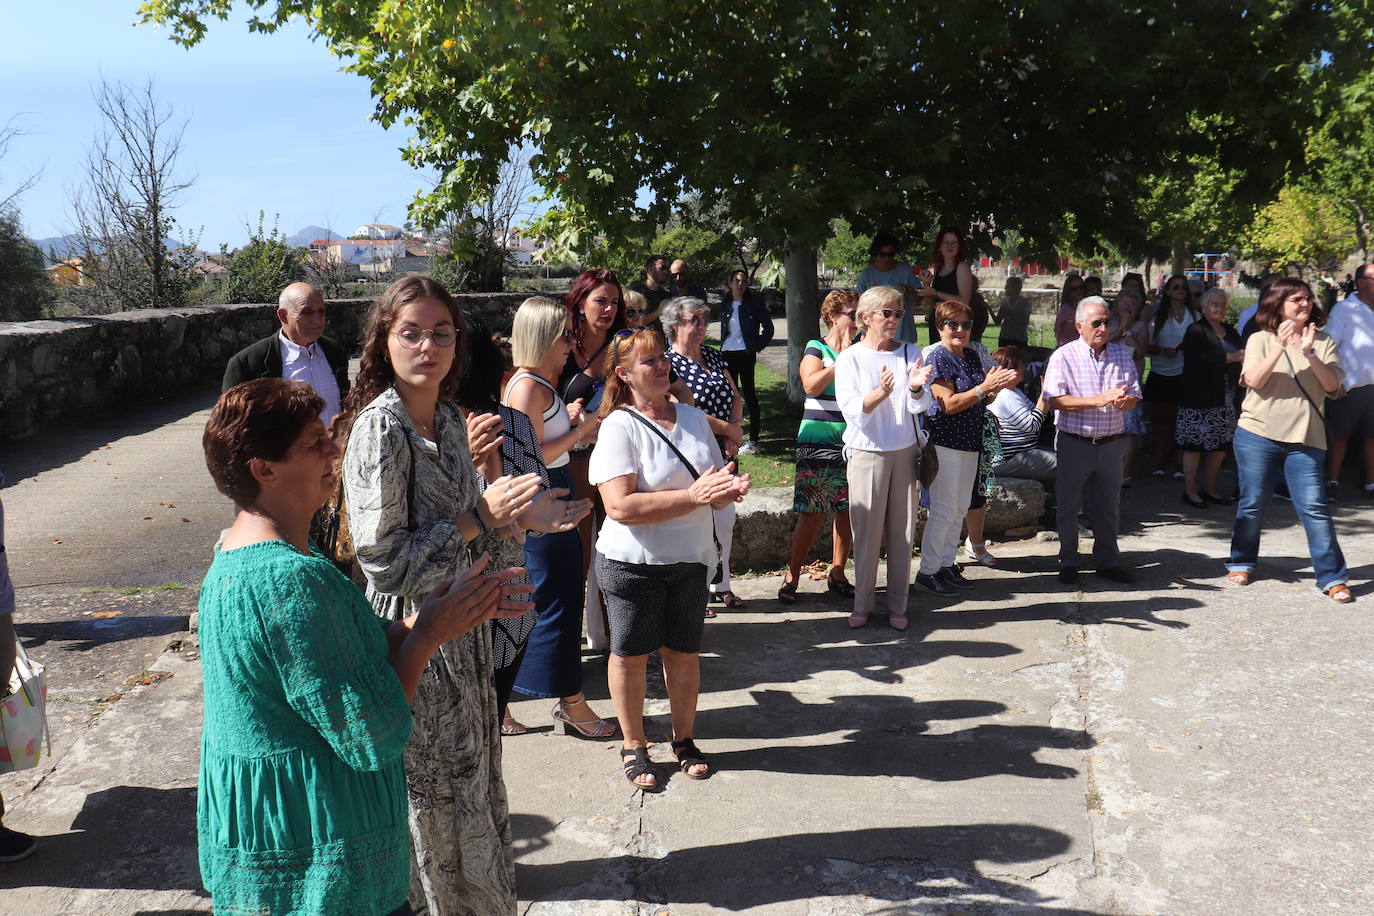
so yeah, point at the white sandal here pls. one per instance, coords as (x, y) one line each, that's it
(980, 553)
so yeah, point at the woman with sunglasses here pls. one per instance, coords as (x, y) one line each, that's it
(880, 386)
(821, 487)
(1290, 369)
(962, 388)
(419, 515)
(655, 551)
(886, 270)
(1164, 386)
(541, 337)
(707, 374)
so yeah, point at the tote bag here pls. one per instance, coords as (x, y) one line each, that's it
(23, 715)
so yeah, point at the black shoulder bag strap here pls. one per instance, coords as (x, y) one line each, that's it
(691, 469)
(1321, 414)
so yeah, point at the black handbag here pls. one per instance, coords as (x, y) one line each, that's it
(691, 469)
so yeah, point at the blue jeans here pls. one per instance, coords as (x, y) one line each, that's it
(1259, 461)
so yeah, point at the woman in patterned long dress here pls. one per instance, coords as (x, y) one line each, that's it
(706, 373)
(822, 487)
(418, 515)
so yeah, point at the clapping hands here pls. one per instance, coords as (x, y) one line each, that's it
(718, 487)
(920, 374)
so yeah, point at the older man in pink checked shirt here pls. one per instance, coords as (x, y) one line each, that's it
(1091, 385)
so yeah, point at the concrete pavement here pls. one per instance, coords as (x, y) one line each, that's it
(1180, 746)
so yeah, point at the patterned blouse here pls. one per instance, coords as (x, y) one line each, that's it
(404, 495)
(709, 381)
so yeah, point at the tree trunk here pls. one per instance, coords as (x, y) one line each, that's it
(1361, 229)
(803, 311)
(1180, 256)
(1149, 274)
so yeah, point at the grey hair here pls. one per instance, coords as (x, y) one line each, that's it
(1213, 293)
(875, 299)
(676, 310)
(292, 299)
(1080, 314)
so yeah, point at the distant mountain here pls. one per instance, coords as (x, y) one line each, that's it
(309, 234)
(61, 246)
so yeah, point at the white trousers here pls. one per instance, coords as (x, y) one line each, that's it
(950, 494)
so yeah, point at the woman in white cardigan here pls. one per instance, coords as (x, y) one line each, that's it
(881, 387)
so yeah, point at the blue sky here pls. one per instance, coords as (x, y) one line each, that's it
(274, 124)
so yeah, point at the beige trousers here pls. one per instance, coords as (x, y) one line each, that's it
(882, 506)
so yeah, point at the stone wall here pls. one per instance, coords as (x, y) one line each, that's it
(59, 370)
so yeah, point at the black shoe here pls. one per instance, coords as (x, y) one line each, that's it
(953, 575)
(1195, 503)
(936, 584)
(1068, 575)
(15, 846)
(1217, 500)
(1117, 574)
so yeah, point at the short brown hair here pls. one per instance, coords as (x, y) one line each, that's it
(1270, 313)
(951, 309)
(257, 419)
(836, 301)
(1009, 357)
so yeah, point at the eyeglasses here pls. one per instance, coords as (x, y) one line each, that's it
(959, 325)
(887, 254)
(890, 313)
(848, 313)
(633, 313)
(1097, 322)
(696, 322)
(615, 344)
(411, 338)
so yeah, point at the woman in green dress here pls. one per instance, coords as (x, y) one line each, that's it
(302, 797)
(821, 486)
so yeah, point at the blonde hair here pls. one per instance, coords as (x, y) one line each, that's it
(875, 299)
(538, 323)
(634, 299)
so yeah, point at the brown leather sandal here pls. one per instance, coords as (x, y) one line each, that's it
(1340, 594)
(1238, 577)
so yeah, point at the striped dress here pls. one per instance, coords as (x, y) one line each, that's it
(821, 484)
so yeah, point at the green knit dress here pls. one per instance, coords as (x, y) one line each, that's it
(302, 798)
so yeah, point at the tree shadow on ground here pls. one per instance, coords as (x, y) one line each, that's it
(934, 866)
(127, 837)
(780, 714)
(86, 633)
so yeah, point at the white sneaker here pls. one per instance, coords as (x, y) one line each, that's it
(749, 448)
(980, 553)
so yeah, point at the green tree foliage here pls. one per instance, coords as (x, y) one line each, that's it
(1302, 230)
(845, 254)
(259, 270)
(25, 288)
(788, 113)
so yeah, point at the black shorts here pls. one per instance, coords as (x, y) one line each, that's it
(1352, 415)
(650, 606)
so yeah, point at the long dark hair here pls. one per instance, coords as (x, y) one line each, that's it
(479, 381)
(581, 289)
(937, 260)
(1166, 304)
(375, 372)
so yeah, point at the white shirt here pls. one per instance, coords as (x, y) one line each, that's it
(891, 425)
(625, 446)
(733, 332)
(1171, 335)
(1351, 326)
(308, 364)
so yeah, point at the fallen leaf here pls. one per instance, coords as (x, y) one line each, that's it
(185, 519)
(147, 518)
(57, 540)
(104, 614)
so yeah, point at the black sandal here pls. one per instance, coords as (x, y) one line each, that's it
(635, 760)
(688, 756)
(840, 586)
(788, 593)
(729, 599)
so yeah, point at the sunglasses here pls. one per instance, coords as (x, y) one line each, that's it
(1097, 322)
(697, 322)
(889, 313)
(633, 313)
(959, 325)
(887, 254)
(615, 344)
(848, 313)
(411, 338)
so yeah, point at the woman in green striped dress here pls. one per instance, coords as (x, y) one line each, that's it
(821, 486)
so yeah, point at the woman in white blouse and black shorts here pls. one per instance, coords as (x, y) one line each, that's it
(660, 473)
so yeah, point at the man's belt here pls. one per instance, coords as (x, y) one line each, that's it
(1093, 440)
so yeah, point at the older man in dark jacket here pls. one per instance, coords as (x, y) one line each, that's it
(298, 350)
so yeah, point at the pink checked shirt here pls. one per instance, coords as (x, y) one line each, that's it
(1074, 370)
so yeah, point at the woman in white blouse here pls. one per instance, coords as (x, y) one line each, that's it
(880, 385)
(660, 472)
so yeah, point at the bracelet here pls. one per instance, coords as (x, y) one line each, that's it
(978, 390)
(915, 391)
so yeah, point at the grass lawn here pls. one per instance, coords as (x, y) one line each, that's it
(774, 465)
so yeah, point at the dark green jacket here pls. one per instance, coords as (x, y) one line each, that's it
(263, 360)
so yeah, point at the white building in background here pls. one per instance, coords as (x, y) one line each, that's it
(364, 251)
(377, 231)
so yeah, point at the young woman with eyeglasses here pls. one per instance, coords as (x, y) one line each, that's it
(881, 388)
(822, 488)
(1164, 385)
(541, 337)
(418, 516)
(655, 551)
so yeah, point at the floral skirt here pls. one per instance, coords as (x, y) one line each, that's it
(821, 484)
(1206, 429)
